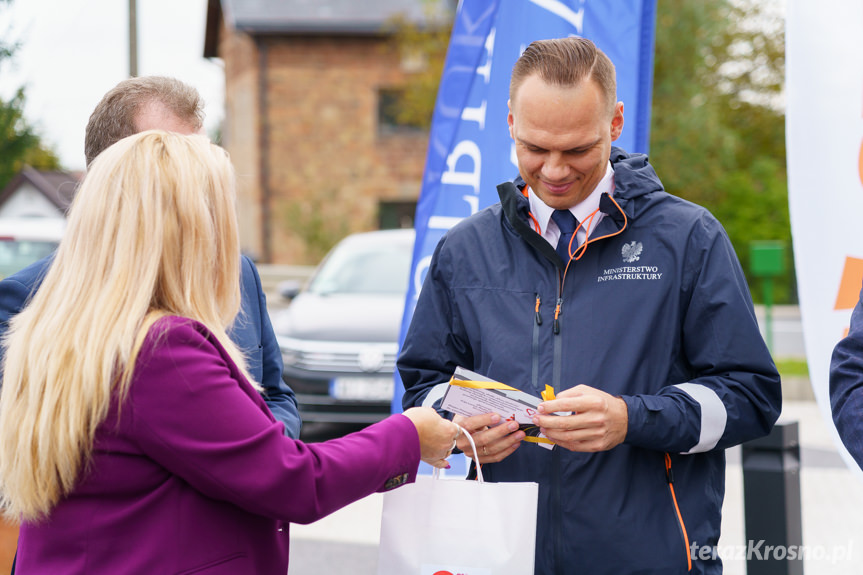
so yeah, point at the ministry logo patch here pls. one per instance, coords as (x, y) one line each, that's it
(631, 252)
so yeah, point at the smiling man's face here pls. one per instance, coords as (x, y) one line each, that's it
(562, 138)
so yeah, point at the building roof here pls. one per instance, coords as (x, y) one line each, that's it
(317, 17)
(58, 187)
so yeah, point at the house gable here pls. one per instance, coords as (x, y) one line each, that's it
(34, 193)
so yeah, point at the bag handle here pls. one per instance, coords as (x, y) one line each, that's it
(436, 473)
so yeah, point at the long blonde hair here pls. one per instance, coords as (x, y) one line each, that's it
(151, 232)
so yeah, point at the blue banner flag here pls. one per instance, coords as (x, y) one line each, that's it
(470, 150)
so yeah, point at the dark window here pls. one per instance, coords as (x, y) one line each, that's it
(396, 214)
(390, 116)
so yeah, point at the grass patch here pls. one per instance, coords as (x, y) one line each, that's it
(792, 367)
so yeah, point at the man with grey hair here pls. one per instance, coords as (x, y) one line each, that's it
(139, 104)
(624, 307)
(155, 102)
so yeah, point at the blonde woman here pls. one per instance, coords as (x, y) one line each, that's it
(100, 460)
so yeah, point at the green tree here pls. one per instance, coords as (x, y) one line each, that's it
(425, 46)
(717, 135)
(20, 144)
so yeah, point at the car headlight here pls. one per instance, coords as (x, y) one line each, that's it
(291, 355)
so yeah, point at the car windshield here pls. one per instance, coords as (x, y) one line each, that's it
(365, 268)
(18, 254)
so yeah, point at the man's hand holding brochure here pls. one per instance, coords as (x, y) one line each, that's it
(471, 394)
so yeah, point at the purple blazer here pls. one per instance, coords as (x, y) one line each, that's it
(195, 476)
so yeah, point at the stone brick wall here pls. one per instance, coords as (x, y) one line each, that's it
(240, 133)
(328, 165)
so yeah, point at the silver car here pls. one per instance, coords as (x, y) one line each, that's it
(24, 241)
(339, 335)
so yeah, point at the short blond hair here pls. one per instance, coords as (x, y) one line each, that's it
(152, 232)
(565, 62)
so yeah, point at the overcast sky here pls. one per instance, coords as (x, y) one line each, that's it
(73, 51)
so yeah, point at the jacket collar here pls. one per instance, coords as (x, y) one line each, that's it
(634, 178)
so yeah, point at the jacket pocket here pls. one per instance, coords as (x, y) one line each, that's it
(669, 477)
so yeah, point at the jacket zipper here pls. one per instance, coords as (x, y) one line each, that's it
(669, 477)
(535, 349)
(561, 278)
(557, 316)
(557, 514)
(555, 454)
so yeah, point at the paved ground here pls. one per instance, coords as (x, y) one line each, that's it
(832, 503)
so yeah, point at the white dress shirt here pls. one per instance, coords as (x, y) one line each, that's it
(581, 211)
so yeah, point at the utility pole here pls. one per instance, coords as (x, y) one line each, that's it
(133, 38)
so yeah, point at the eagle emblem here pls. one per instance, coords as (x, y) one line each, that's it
(631, 252)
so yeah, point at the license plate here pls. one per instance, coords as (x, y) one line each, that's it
(362, 388)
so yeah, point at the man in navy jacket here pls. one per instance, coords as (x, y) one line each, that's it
(846, 386)
(639, 318)
(145, 103)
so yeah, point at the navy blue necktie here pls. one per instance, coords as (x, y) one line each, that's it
(567, 223)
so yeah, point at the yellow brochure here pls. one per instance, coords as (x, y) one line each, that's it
(471, 394)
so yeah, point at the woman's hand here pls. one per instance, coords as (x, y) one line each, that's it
(437, 435)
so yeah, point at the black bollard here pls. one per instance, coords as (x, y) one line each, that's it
(771, 499)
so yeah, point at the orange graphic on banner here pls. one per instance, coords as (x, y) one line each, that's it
(849, 286)
(860, 163)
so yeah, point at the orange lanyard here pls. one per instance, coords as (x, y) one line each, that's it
(582, 249)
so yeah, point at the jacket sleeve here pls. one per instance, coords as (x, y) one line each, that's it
(13, 295)
(732, 392)
(230, 448)
(279, 397)
(434, 344)
(15, 292)
(846, 386)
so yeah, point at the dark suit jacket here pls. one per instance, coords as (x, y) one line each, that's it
(846, 385)
(252, 332)
(168, 491)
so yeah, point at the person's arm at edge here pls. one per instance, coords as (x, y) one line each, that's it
(846, 386)
(279, 397)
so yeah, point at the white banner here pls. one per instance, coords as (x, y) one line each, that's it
(824, 135)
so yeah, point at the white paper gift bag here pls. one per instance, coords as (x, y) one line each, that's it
(460, 527)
